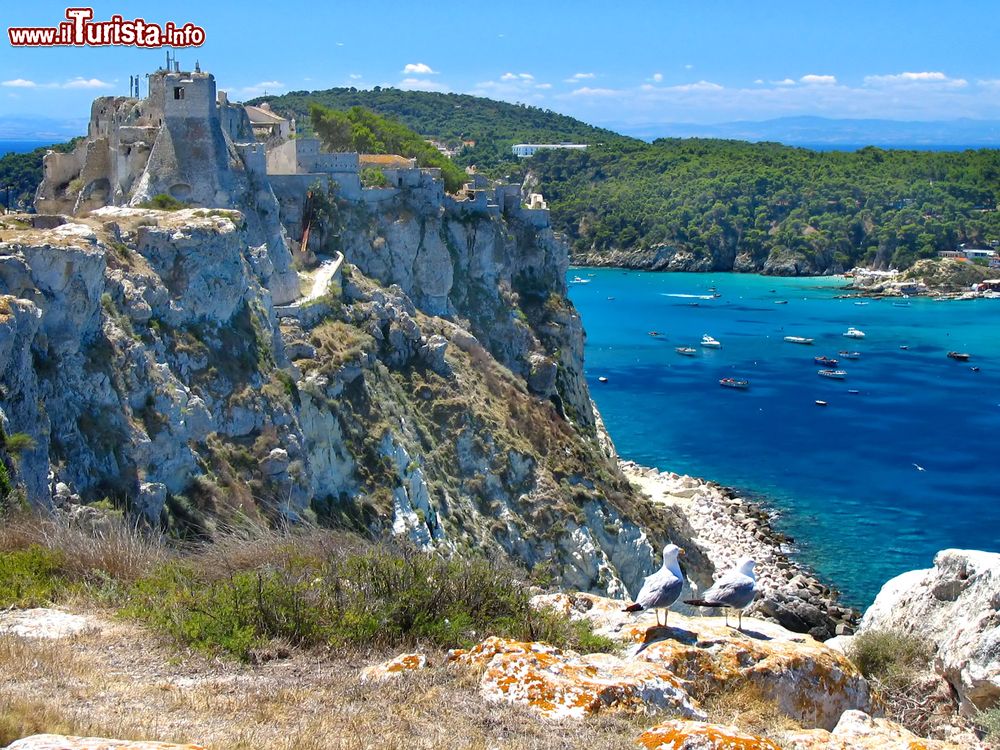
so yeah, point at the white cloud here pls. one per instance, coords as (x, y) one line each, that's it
(689, 66)
(517, 77)
(355, 76)
(421, 84)
(699, 86)
(783, 82)
(759, 81)
(589, 91)
(264, 87)
(935, 77)
(577, 77)
(543, 85)
(657, 77)
(19, 83)
(419, 69)
(86, 83)
(811, 79)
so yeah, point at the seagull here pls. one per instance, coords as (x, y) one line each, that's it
(735, 590)
(661, 589)
(918, 467)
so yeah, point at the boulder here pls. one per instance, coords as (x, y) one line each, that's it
(44, 623)
(810, 682)
(956, 606)
(394, 667)
(62, 742)
(563, 684)
(276, 462)
(857, 730)
(697, 735)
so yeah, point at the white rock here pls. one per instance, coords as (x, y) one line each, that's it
(956, 605)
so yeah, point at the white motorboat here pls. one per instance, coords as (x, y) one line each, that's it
(854, 333)
(709, 342)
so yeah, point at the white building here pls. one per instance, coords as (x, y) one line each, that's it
(979, 253)
(524, 150)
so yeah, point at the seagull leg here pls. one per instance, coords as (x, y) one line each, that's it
(725, 612)
(739, 613)
(666, 614)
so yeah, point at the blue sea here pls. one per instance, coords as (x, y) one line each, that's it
(871, 485)
(21, 147)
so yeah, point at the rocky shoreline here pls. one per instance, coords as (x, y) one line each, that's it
(727, 526)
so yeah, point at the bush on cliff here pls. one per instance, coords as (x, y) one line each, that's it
(309, 588)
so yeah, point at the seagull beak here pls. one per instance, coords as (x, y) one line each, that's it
(680, 553)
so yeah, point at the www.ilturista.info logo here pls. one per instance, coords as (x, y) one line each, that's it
(79, 30)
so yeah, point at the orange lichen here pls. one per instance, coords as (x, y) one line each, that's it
(681, 735)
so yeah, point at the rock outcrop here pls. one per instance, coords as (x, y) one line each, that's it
(857, 730)
(956, 606)
(809, 682)
(699, 735)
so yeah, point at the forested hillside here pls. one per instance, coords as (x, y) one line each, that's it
(453, 118)
(717, 205)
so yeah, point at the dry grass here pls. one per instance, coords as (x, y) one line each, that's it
(746, 706)
(121, 682)
(116, 549)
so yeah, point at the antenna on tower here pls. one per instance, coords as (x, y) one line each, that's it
(197, 66)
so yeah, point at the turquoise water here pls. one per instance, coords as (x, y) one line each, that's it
(844, 477)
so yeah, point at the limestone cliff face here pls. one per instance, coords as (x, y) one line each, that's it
(435, 391)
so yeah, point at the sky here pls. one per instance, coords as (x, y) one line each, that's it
(607, 63)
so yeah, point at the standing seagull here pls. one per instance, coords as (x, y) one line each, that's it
(661, 589)
(735, 590)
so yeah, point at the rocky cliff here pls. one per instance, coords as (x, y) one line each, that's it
(435, 389)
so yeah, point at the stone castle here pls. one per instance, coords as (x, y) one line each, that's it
(188, 141)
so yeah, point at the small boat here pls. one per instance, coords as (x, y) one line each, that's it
(960, 356)
(611, 299)
(835, 374)
(850, 355)
(854, 333)
(711, 343)
(654, 333)
(687, 351)
(602, 379)
(820, 403)
(860, 303)
(578, 280)
(900, 304)
(734, 383)
(854, 391)
(974, 369)
(781, 301)
(825, 361)
(798, 340)
(904, 347)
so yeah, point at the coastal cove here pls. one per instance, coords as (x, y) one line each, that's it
(871, 485)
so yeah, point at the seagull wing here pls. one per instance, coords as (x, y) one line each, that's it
(733, 590)
(660, 590)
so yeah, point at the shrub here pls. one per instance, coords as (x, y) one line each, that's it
(19, 442)
(380, 597)
(30, 577)
(891, 658)
(164, 202)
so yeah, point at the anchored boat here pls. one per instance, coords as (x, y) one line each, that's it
(709, 342)
(835, 374)
(825, 361)
(960, 356)
(798, 340)
(854, 333)
(687, 351)
(738, 383)
(850, 355)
